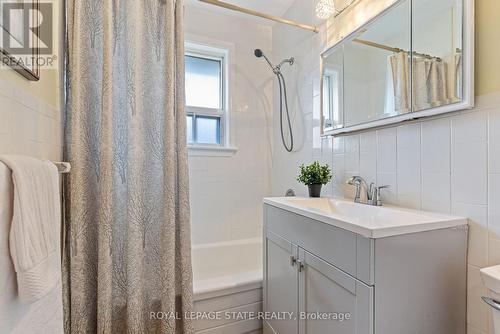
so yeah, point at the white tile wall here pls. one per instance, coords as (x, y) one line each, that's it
(436, 192)
(449, 164)
(436, 146)
(408, 153)
(494, 136)
(386, 151)
(352, 155)
(368, 156)
(469, 158)
(226, 192)
(28, 126)
(494, 203)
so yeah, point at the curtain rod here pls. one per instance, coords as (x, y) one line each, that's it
(262, 15)
(389, 48)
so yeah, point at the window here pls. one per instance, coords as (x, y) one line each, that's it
(206, 93)
(332, 98)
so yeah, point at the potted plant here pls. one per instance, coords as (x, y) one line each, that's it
(314, 176)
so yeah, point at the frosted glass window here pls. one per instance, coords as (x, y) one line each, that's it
(207, 130)
(203, 82)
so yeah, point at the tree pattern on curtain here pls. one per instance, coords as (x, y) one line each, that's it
(127, 244)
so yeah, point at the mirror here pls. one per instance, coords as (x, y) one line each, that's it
(332, 90)
(376, 84)
(437, 57)
(406, 63)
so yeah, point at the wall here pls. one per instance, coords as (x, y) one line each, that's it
(30, 112)
(28, 125)
(450, 164)
(226, 192)
(303, 87)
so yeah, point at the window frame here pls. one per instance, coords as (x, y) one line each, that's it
(334, 75)
(204, 51)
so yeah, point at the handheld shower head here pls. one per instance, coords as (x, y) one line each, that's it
(283, 98)
(276, 69)
(258, 53)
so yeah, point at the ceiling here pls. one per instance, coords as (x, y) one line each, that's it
(272, 7)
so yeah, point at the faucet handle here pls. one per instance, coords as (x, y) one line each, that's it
(376, 200)
(373, 189)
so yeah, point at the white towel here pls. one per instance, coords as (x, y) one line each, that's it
(34, 237)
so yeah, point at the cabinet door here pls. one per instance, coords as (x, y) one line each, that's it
(281, 283)
(328, 296)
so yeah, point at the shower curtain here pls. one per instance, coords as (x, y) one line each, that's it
(127, 256)
(430, 83)
(430, 86)
(398, 83)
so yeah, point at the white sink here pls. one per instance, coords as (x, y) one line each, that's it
(369, 221)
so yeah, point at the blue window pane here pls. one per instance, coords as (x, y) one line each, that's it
(207, 130)
(189, 129)
(203, 82)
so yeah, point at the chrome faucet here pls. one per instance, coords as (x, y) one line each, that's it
(372, 192)
(359, 183)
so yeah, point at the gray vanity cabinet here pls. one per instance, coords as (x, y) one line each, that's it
(311, 296)
(281, 282)
(401, 284)
(327, 295)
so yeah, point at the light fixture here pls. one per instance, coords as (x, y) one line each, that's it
(325, 8)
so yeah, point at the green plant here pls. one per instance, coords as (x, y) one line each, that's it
(314, 174)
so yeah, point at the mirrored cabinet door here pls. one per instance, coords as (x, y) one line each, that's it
(413, 60)
(376, 69)
(437, 53)
(332, 90)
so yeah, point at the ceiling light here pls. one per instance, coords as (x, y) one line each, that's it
(325, 8)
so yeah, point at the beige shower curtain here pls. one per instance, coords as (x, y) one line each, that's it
(127, 249)
(432, 85)
(400, 71)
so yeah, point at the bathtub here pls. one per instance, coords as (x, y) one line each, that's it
(227, 278)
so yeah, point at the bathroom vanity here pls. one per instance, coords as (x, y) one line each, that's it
(333, 266)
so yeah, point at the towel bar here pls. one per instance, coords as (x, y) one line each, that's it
(63, 167)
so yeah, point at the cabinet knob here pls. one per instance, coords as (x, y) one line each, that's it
(293, 260)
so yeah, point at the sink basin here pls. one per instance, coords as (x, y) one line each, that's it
(369, 221)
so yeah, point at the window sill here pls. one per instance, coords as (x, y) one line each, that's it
(211, 151)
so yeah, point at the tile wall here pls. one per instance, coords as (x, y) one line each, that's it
(28, 125)
(226, 191)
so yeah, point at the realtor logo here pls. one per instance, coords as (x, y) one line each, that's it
(28, 40)
(27, 28)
